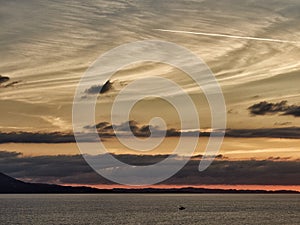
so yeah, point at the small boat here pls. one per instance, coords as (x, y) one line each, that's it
(181, 208)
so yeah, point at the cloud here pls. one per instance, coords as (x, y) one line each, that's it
(99, 89)
(143, 130)
(5, 84)
(11, 84)
(240, 172)
(284, 132)
(293, 110)
(228, 36)
(105, 130)
(72, 169)
(264, 108)
(3, 79)
(282, 123)
(27, 137)
(43, 168)
(4, 154)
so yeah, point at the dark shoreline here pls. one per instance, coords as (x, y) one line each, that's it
(9, 185)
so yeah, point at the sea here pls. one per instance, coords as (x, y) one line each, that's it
(36, 209)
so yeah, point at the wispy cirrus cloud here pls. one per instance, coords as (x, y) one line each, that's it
(228, 36)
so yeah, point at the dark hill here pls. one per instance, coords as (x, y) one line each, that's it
(14, 186)
(11, 185)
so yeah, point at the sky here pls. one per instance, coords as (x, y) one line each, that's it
(251, 46)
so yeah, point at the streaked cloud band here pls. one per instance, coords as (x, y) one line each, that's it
(228, 36)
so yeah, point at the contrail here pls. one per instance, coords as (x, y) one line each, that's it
(228, 36)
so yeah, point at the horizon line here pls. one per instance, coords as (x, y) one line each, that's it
(238, 187)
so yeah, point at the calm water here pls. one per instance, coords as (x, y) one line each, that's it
(150, 209)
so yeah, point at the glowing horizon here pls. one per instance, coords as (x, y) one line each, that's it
(251, 187)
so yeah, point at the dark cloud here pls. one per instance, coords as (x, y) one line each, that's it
(261, 172)
(175, 133)
(27, 137)
(74, 170)
(99, 89)
(4, 154)
(11, 84)
(142, 130)
(264, 108)
(284, 132)
(105, 130)
(50, 169)
(5, 84)
(3, 79)
(293, 110)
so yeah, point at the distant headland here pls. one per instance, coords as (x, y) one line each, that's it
(9, 185)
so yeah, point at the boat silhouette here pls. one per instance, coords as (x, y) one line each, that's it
(181, 208)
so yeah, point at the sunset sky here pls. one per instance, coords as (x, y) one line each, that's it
(252, 47)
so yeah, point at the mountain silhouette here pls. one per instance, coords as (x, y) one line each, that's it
(9, 185)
